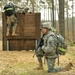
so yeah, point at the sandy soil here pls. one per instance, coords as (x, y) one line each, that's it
(10, 58)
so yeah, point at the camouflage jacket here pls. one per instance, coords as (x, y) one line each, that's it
(50, 44)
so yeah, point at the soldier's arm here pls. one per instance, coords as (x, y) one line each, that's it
(49, 48)
(17, 6)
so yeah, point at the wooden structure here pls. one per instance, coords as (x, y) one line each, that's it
(28, 30)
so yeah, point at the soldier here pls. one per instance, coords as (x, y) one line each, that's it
(26, 10)
(48, 49)
(11, 17)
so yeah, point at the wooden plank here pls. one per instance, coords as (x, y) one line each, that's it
(27, 30)
(22, 44)
(38, 23)
(4, 32)
(20, 38)
(29, 44)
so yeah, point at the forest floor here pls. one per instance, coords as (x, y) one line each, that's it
(22, 63)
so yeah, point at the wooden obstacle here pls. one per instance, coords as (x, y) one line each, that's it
(28, 30)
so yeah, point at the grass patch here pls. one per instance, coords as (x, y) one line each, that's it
(22, 63)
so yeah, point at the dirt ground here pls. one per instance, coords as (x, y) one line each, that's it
(22, 63)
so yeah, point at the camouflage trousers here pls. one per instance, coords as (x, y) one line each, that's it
(39, 54)
(50, 61)
(51, 65)
(11, 21)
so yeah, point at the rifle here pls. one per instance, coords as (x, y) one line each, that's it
(40, 44)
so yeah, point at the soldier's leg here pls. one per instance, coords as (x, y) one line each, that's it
(50, 64)
(8, 25)
(14, 26)
(40, 63)
(8, 29)
(39, 55)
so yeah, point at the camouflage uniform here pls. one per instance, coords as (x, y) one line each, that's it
(11, 22)
(11, 17)
(49, 51)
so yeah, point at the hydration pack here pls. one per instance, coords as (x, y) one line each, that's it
(9, 5)
(9, 9)
(61, 45)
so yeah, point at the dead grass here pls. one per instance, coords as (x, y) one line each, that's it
(22, 63)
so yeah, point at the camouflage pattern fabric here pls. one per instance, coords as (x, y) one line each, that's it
(11, 21)
(39, 54)
(49, 51)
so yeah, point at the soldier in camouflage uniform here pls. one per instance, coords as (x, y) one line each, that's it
(48, 49)
(11, 17)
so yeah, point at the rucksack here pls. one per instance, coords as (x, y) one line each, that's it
(61, 45)
(9, 9)
(9, 5)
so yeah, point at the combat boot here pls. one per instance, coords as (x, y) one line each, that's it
(68, 67)
(40, 67)
(14, 34)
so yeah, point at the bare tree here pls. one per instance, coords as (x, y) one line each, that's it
(32, 2)
(61, 18)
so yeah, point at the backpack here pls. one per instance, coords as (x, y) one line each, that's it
(7, 8)
(61, 45)
(9, 5)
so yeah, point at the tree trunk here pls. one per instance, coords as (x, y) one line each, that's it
(61, 18)
(53, 11)
(32, 2)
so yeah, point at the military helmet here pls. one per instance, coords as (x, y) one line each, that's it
(46, 25)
